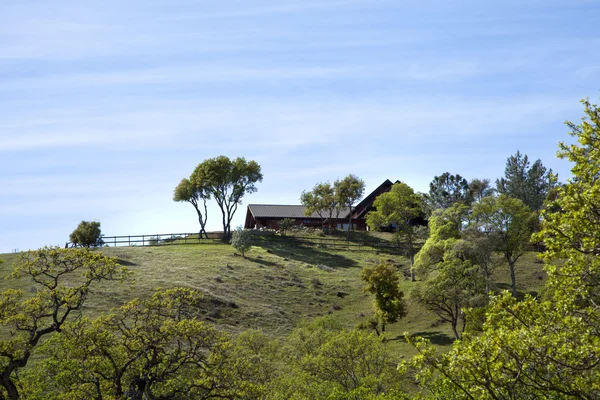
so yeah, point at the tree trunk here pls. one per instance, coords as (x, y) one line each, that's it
(7, 383)
(454, 323)
(411, 256)
(513, 280)
(349, 224)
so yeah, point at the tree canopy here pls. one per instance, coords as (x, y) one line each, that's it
(398, 207)
(227, 181)
(62, 279)
(533, 348)
(447, 189)
(347, 192)
(87, 234)
(193, 194)
(528, 183)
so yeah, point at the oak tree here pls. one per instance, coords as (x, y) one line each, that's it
(194, 194)
(227, 181)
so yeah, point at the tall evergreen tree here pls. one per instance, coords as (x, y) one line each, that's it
(530, 184)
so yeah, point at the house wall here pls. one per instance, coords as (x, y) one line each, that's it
(273, 223)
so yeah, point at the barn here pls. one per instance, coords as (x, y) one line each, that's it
(268, 216)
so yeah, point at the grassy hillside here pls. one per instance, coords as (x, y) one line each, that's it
(275, 287)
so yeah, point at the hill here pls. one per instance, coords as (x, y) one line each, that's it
(277, 285)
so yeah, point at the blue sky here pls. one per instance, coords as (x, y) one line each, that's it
(106, 105)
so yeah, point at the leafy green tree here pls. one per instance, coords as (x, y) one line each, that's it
(87, 234)
(480, 248)
(149, 349)
(347, 192)
(322, 360)
(382, 281)
(227, 181)
(530, 184)
(285, 225)
(447, 189)
(445, 229)
(455, 286)
(512, 222)
(322, 201)
(62, 280)
(188, 192)
(241, 240)
(400, 207)
(533, 349)
(480, 188)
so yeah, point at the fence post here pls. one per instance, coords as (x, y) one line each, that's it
(143, 240)
(115, 240)
(129, 241)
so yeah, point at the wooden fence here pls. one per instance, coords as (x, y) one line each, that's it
(265, 239)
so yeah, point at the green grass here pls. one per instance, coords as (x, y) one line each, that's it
(275, 286)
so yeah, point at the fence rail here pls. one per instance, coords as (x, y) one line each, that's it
(264, 238)
(157, 239)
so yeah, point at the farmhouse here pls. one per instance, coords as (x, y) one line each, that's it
(269, 215)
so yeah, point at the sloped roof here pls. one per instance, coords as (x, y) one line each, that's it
(285, 211)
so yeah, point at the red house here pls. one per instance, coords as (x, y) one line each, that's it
(269, 215)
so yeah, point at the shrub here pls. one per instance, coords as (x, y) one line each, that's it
(285, 225)
(87, 234)
(241, 240)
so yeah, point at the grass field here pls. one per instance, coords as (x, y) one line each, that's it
(275, 286)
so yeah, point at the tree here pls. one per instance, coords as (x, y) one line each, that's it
(400, 207)
(445, 230)
(241, 240)
(453, 287)
(227, 181)
(87, 234)
(480, 188)
(62, 279)
(382, 281)
(512, 222)
(188, 192)
(528, 184)
(322, 201)
(347, 192)
(447, 189)
(531, 348)
(285, 225)
(155, 348)
(323, 360)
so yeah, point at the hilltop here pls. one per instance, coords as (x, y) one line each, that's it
(277, 285)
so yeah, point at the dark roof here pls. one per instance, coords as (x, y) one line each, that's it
(285, 211)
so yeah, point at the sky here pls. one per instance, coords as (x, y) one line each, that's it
(106, 105)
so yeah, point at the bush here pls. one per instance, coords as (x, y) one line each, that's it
(285, 225)
(241, 240)
(87, 234)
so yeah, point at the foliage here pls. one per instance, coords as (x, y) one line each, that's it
(455, 286)
(347, 192)
(322, 360)
(530, 184)
(447, 189)
(62, 280)
(445, 227)
(285, 225)
(188, 192)
(241, 240)
(400, 207)
(154, 348)
(480, 188)
(512, 222)
(87, 234)
(322, 201)
(534, 349)
(227, 181)
(382, 281)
